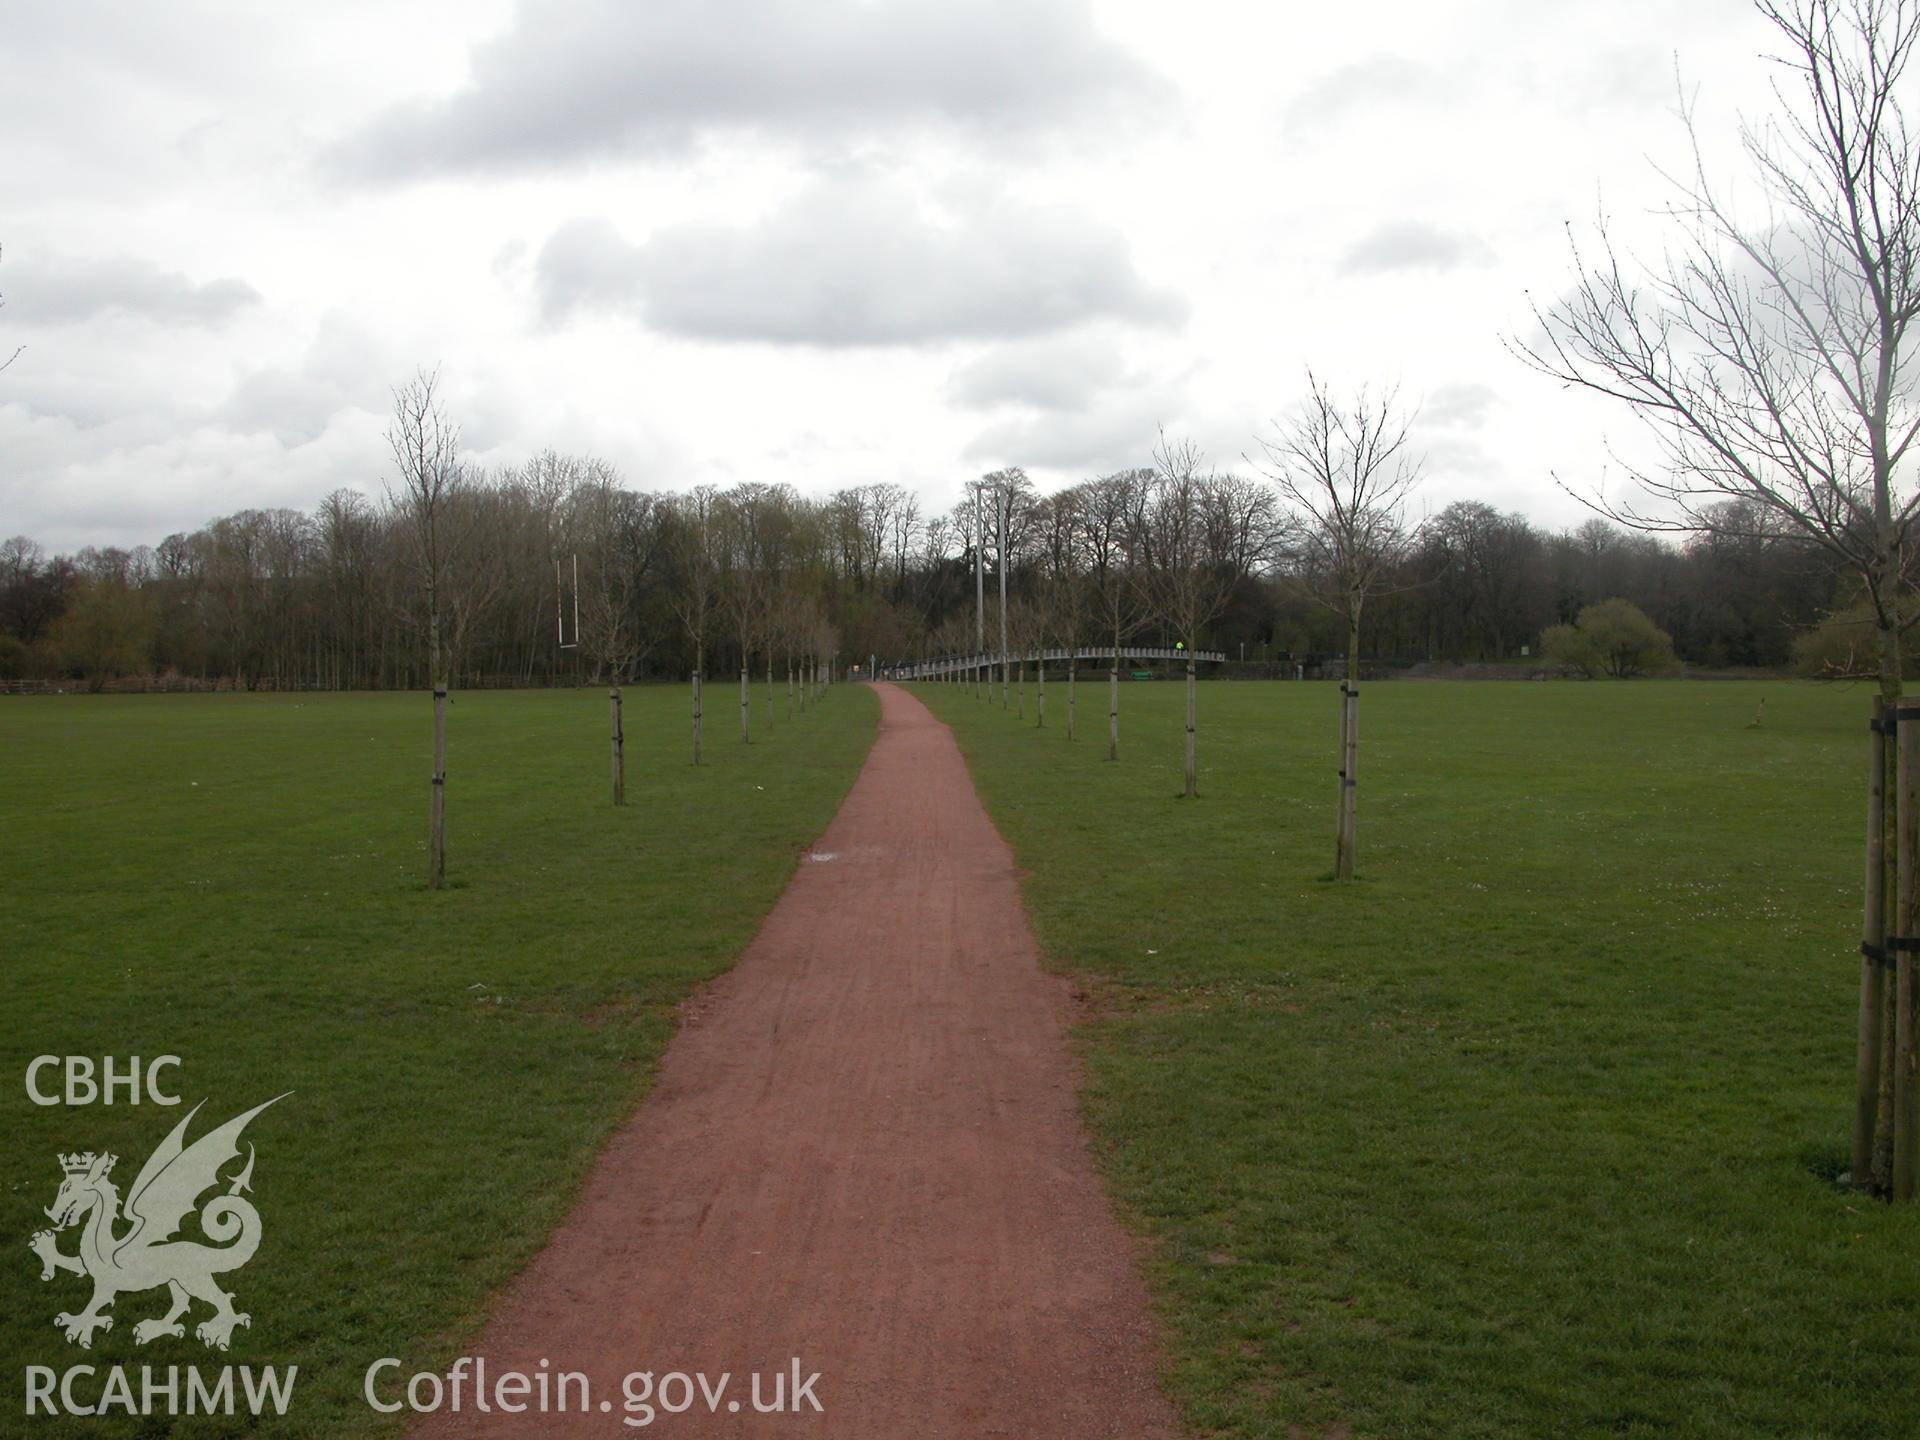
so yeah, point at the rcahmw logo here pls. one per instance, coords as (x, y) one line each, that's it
(132, 1248)
(145, 1256)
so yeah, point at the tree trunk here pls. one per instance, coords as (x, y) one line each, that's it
(1023, 686)
(746, 699)
(789, 687)
(1193, 758)
(437, 802)
(1873, 934)
(696, 717)
(1040, 699)
(619, 752)
(1073, 664)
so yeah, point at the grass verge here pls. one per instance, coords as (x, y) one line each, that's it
(238, 880)
(1532, 1129)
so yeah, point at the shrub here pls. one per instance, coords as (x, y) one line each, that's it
(1566, 647)
(1846, 646)
(1615, 638)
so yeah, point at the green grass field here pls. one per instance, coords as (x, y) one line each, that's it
(238, 880)
(1530, 1131)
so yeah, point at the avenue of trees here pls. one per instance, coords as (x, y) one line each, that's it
(1768, 354)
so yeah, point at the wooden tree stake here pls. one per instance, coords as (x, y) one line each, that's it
(1906, 924)
(437, 802)
(1873, 934)
(619, 753)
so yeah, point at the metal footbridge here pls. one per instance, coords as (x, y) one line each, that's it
(967, 664)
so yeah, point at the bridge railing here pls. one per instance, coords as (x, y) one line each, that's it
(953, 664)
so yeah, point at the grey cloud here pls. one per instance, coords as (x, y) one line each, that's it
(1114, 431)
(586, 79)
(1059, 373)
(1463, 406)
(1631, 75)
(1378, 79)
(343, 369)
(587, 264)
(44, 290)
(294, 407)
(1454, 455)
(1091, 442)
(1412, 245)
(856, 263)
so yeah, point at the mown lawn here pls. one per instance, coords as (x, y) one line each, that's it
(1531, 1131)
(238, 880)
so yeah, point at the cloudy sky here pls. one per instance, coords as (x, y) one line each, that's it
(818, 241)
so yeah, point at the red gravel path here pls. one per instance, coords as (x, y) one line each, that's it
(864, 1151)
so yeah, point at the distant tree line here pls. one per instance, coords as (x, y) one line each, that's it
(567, 576)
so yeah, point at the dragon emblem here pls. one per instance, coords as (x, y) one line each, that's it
(135, 1250)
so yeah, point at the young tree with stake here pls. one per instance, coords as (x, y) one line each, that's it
(1772, 364)
(425, 446)
(1062, 589)
(1344, 472)
(694, 583)
(1108, 521)
(621, 535)
(1188, 575)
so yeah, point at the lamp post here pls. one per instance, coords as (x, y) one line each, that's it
(1005, 507)
(979, 589)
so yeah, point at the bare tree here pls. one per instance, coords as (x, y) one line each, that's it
(1188, 560)
(1062, 587)
(1344, 472)
(779, 540)
(621, 534)
(1109, 519)
(425, 446)
(1771, 364)
(743, 577)
(695, 537)
(1008, 499)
